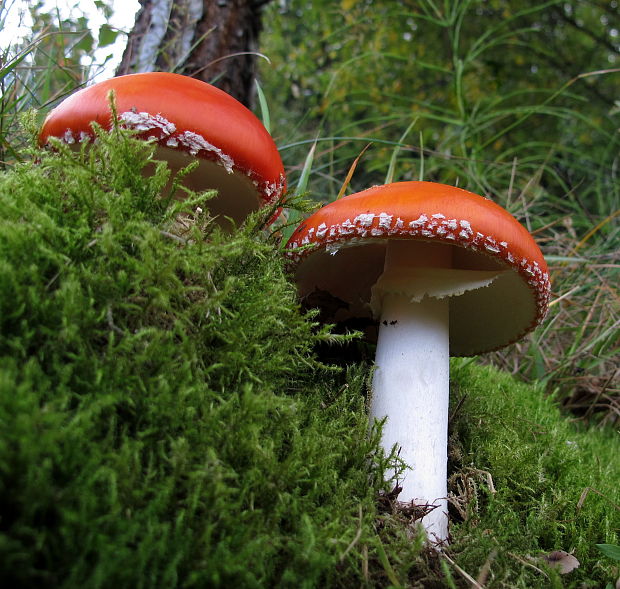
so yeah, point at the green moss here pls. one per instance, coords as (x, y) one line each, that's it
(164, 420)
(556, 484)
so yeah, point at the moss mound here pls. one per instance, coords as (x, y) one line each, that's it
(163, 420)
(530, 482)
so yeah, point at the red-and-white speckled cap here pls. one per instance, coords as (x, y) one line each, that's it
(340, 249)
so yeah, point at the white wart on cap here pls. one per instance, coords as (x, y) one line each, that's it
(341, 250)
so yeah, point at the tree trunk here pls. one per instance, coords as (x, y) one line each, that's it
(212, 40)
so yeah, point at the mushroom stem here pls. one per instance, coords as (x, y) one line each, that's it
(411, 380)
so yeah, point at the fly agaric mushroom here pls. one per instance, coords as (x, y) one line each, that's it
(189, 119)
(444, 272)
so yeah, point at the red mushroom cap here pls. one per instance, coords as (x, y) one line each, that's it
(185, 116)
(349, 239)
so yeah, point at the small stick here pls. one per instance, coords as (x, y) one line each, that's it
(486, 567)
(463, 573)
(529, 564)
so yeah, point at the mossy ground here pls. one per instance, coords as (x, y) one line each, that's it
(556, 485)
(166, 422)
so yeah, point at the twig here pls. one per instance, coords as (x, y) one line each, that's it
(486, 567)
(489, 479)
(111, 324)
(463, 573)
(457, 408)
(52, 280)
(585, 493)
(528, 564)
(600, 393)
(174, 237)
(365, 562)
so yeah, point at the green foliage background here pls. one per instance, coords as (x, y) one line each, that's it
(487, 83)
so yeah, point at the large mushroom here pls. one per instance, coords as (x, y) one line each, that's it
(444, 272)
(189, 119)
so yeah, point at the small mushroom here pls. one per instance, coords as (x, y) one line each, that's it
(442, 271)
(562, 561)
(189, 119)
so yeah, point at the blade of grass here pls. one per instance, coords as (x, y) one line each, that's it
(421, 175)
(389, 177)
(302, 184)
(294, 215)
(387, 567)
(350, 172)
(536, 110)
(596, 228)
(264, 107)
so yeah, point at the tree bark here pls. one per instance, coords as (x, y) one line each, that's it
(212, 40)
